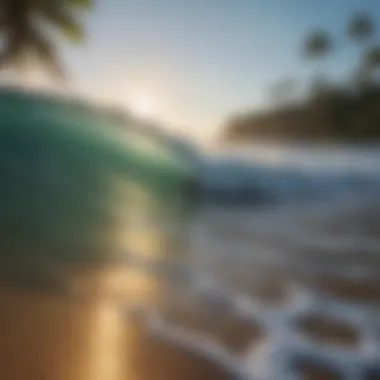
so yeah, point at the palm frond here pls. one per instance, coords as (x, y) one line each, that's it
(46, 53)
(13, 54)
(22, 23)
(85, 4)
(62, 4)
(66, 23)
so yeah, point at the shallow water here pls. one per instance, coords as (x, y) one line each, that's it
(288, 290)
(307, 276)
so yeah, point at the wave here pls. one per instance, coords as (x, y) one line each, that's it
(283, 175)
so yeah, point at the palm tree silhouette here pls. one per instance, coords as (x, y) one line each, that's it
(360, 29)
(29, 29)
(371, 61)
(317, 46)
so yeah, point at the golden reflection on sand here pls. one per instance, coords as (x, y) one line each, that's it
(53, 336)
(86, 335)
(50, 336)
(106, 355)
(44, 336)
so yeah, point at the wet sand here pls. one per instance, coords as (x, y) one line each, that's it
(48, 336)
(52, 336)
(84, 332)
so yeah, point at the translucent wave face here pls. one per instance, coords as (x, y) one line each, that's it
(68, 171)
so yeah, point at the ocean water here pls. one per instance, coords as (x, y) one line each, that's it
(297, 262)
(274, 276)
(292, 174)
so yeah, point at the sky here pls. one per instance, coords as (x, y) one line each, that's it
(192, 63)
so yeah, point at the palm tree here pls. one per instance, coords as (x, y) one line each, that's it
(373, 58)
(371, 62)
(360, 27)
(28, 28)
(317, 45)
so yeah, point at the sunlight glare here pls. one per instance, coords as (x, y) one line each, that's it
(142, 105)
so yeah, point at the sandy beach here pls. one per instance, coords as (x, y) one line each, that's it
(235, 305)
(59, 336)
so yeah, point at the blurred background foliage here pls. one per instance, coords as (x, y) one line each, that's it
(331, 110)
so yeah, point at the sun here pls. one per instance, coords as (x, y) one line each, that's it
(142, 105)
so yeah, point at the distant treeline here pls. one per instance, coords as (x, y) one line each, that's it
(336, 115)
(348, 111)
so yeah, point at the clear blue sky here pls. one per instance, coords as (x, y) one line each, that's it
(199, 60)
